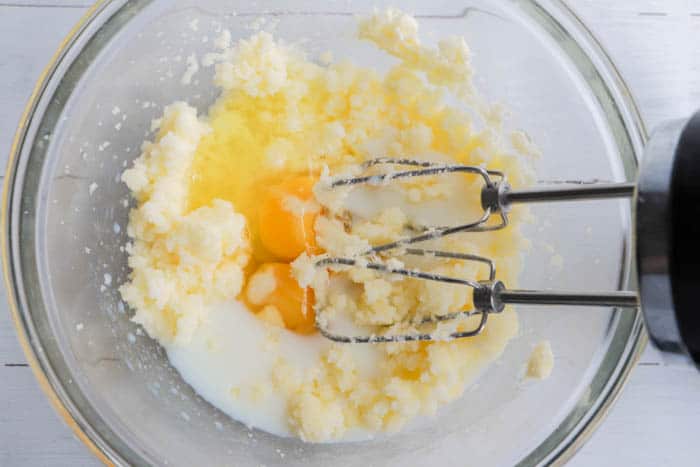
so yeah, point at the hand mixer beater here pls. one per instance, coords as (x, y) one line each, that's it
(489, 295)
(665, 186)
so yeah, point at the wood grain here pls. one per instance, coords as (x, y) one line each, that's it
(655, 44)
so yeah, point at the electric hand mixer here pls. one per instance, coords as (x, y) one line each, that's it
(667, 204)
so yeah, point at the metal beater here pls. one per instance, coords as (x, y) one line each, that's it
(663, 186)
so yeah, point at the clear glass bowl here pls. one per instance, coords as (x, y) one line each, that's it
(64, 219)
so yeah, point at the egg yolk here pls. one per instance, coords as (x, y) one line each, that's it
(286, 218)
(272, 285)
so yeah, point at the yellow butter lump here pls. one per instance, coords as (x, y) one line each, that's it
(180, 259)
(446, 65)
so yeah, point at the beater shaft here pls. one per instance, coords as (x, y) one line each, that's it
(571, 193)
(561, 297)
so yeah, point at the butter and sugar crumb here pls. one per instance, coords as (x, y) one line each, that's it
(179, 260)
(182, 259)
(541, 361)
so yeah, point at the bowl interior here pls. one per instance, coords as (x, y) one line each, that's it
(71, 212)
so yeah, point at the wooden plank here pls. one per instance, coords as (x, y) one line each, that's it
(59, 4)
(649, 43)
(654, 43)
(28, 39)
(652, 424)
(21, 63)
(31, 433)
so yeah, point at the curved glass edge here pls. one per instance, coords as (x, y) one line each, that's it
(558, 447)
(25, 327)
(629, 338)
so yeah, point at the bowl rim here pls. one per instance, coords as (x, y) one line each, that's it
(100, 447)
(21, 326)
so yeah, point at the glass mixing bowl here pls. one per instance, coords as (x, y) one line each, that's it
(65, 213)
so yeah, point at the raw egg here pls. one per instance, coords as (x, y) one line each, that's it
(286, 217)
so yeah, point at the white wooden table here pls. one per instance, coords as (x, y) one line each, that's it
(655, 43)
